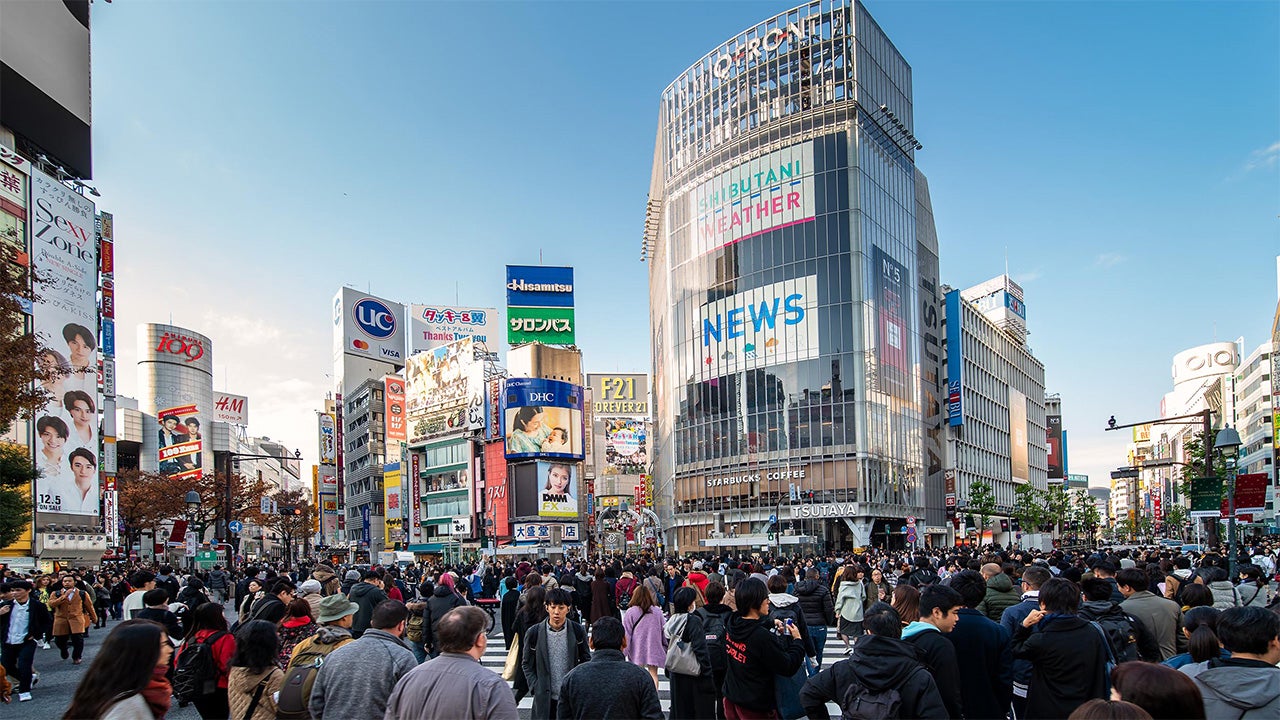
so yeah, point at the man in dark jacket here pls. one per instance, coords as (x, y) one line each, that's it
(819, 609)
(608, 685)
(368, 595)
(880, 662)
(549, 650)
(1068, 655)
(715, 625)
(1130, 639)
(939, 612)
(442, 600)
(986, 671)
(166, 580)
(1106, 570)
(923, 575)
(273, 606)
(1032, 578)
(18, 647)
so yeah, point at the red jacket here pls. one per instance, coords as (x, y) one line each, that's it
(223, 649)
(697, 577)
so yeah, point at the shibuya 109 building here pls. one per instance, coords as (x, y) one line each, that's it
(793, 274)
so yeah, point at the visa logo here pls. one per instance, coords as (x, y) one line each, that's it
(733, 322)
(390, 353)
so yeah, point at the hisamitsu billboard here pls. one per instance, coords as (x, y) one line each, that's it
(539, 286)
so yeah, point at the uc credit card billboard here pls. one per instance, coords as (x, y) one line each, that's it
(542, 418)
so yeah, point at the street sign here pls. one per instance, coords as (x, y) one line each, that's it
(235, 526)
(911, 521)
(207, 558)
(773, 519)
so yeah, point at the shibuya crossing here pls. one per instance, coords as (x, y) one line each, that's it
(794, 295)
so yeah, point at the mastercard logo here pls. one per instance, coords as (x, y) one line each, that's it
(360, 344)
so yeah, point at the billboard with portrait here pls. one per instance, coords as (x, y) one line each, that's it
(542, 418)
(444, 391)
(180, 441)
(1019, 466)
(64, 251)
(892, 335)
(1054, 433)
(557, 489)
(626, 446)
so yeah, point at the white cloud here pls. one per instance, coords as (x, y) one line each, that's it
(1027, 277)
(1263, 158)
(1107, 260)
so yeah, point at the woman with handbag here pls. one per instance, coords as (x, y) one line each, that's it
(688, 664)
(643, 626)
(533, 610)
(255, 677)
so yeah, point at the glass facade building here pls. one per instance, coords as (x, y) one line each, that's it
(793, 292)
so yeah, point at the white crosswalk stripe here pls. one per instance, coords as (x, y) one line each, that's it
(495, 658)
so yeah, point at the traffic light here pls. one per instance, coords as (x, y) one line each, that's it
(1004, 525)
(290, 510)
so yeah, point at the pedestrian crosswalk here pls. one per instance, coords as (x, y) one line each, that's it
(495, 658)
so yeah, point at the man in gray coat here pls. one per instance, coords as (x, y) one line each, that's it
(608, 685)
(1160, 616)
(549, 650)
(357, 678)
(454, 684)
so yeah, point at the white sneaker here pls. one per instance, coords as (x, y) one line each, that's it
(35, 678)
(44, 644)
(24, 697)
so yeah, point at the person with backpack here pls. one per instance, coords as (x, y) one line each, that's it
(1130, 640)
(356, 679)
(1069, 655)
(334, 613)
(692, 694)
(881, 679)
(625, 586)
(204, 663)
(653, 581)
(759, 649)
(1159, 615)
(939, 612)
(157, 610)
(986, 665)
(819, 609)
(715, 623)
(255, 677)
(923, 575)
(368, 595)
(443, 599)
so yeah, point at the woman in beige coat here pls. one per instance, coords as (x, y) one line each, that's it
(255, 677)
(73, 613)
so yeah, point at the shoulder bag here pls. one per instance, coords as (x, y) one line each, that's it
(680, 657)
(512, 666)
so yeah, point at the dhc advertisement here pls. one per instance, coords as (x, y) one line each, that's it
(770, 325)
(542, 418)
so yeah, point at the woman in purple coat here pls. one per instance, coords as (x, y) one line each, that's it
(646, 645)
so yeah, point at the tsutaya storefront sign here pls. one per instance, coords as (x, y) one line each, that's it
(824, 510)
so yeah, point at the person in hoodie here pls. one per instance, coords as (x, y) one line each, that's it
(1000, 594)
(819, 609)
(880, 662)
(939, 612)
(350, 580)
(443, 598)
(715, 623)
(986, 675)
(786, 607)
(758, 649)
(274, 605)
(1068, 654)
(368, 595)
(1245, 686)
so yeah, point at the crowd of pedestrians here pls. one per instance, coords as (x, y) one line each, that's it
(946, 633)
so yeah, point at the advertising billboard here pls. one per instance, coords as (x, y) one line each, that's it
(626, 446)
(231, 409)
(625, 394)
(495, 490)
(64, 251)
(540, 305)
(541, 532)
(770, 325)
(13, 203)
(557, 489)
(393, 508)
(444, 391)
(180, 441)
(542, 418)
(1251, 493)
(393, 397)
(1019, 467)
(1054, 432)
(328, 443)
(769, 192)
(431, 326)
(892, 334)
(369, 326)
(176, 372)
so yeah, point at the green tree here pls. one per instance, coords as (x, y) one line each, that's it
(16, 475)
(1084, 513)
(1057, 504)
(1175, 520)
(1029, 507)
(981, 502)
(1197, 468)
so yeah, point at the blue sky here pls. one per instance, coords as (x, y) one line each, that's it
(258, 155)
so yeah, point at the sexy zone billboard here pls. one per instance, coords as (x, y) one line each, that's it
(542, 418)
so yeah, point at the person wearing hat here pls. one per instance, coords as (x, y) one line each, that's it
(349, 580)
(335, 614)
(311, 591)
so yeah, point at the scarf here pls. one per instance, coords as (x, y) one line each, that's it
(157, 693)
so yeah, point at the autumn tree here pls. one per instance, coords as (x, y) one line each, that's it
(246, 499)
(291, 526)
(146, 500)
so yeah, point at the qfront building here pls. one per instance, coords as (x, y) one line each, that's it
(794, 294)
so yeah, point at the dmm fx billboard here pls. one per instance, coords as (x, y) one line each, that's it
(770, 325)
(64, 251)
(431, 326)
(540, 305)
(542, 418)
(770, 192)
(368, 326)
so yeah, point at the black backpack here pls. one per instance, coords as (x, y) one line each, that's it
(862, 703)
(196, 673)
(715, 627)
(1121, 633)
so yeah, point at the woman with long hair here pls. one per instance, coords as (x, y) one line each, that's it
(851, 600)
(1200, 626)
(879, 589)
(254, 593)
(532, 610)
(255, 677)
(298, 625)
(692, 696)
(207, 624)
(510, 597)
(906, 602)
(642, 624)
(127, 677)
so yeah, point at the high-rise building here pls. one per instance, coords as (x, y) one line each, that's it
(1252, 388)
(996, 399)
(792, 286)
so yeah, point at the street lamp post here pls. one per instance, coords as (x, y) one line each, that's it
(1227, 443)
(193, 508)
(226, 476)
